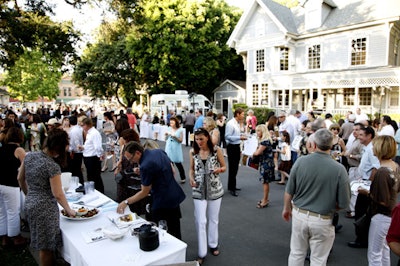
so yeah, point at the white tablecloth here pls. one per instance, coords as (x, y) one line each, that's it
(148, 132)
(124, 251)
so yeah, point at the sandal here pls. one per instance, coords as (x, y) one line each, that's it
(214, 251)
(260, 206)
(200, 261)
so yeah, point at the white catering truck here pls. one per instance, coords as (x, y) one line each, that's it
(178, 102)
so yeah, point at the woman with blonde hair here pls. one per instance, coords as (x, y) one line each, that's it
(210, 125)
(266, 162)
(383, 194)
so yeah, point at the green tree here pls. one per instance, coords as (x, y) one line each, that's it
(180, 44)
(106, 69)
(33, 75)
(28, 27)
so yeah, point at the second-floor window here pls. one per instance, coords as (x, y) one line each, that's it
(314, 57)
(358, 51)
(284, 58)
(260, 60)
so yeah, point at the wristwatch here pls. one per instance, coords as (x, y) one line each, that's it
(126, 202)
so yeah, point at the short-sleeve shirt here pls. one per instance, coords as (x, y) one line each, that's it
(156, 170)
(319, 184)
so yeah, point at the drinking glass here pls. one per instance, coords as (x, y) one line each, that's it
(163, 228)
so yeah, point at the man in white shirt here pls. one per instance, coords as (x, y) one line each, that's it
(368, 164)
(76, 156)
(92, 154)
(233, 137)
(291, 125)
(360, 116)
(386, 126)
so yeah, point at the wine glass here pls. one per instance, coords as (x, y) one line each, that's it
(163, 227)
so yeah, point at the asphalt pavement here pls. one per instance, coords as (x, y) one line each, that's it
(248, 235)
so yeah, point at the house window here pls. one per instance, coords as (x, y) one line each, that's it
(314, 57)
(255, 95)
(365, 96)
(348, 96)
(260, 60)
(264, 93)
(358, 51)
(284, 58)
(218, 105)
(69, 91)
(394, 98)
(65, 89)
(280, 98)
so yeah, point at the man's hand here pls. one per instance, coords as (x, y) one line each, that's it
(286, 215)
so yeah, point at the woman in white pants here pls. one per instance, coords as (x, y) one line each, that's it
(383, 193)
(206, 162)
(11, 157)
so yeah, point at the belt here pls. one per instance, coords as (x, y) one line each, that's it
(325, 217)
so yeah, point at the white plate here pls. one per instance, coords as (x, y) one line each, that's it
(80, 218)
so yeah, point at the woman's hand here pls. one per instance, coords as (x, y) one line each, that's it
(71, 212)
(192, 182)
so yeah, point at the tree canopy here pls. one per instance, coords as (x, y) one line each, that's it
(28, 27)
(163, 45)
(33, 75)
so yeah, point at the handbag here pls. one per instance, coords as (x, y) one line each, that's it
(254, 162)
(362, 224)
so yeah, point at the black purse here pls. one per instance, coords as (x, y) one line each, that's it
(362, 224)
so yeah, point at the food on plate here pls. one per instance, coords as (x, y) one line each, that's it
(126, 218)
(80, 211)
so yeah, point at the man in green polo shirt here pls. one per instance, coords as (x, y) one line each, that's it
(318, 185)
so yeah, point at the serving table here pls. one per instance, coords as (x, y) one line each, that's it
(125, 251)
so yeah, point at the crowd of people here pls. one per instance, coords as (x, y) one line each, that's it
(326, 165)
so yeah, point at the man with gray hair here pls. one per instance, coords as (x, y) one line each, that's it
(317, 186)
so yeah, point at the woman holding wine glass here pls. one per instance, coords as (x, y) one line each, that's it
(206, 163)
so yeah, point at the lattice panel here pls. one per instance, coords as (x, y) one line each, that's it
(379, 81)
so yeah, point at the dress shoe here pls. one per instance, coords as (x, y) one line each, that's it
(233, 193)
(238, 189)
(349, 215)
(355, 244)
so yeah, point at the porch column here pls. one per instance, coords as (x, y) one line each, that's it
(311, 99)
(356, 93)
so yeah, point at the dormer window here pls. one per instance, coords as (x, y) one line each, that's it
(358, 51)
(284, 58)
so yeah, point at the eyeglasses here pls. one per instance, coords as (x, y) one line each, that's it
(335, 129)
(200, 130)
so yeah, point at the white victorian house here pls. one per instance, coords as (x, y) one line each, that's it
(333, 55)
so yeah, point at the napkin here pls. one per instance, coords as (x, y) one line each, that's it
(98, 202)
(88, 198)
(93, 235)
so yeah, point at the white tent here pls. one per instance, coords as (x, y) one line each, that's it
(77, 102)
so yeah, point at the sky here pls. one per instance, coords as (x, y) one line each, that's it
(89, 18)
